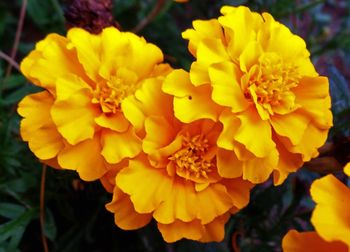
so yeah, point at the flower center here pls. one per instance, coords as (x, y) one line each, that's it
(110, 93)
(270, 81)
(194, 160)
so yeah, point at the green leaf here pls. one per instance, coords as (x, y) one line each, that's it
(10, 210)
(10, 228)
(13, 81)
(15, 96)
(50, 229)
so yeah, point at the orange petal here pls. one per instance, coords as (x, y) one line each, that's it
(183, 202)
(258, 170)
(228, 164)
(331, 217)
(178, 230)
(108, 179)
(294, 241)
(215, 230)
(288, 162)
(117, 146)
(239, 191)
(125, 215)
(85, 158)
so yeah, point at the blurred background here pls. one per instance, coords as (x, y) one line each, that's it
(75, 217)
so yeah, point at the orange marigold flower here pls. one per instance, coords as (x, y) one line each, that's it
(80, 121)
(331, 219)
(253, 75)
(176, 179)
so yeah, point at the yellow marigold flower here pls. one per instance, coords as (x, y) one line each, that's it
(331, 219)
(176, 179)
(253, 75)
(79, 121)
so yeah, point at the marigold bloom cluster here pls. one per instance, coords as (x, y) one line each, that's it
(256, 78)
(79, 121)
(331, 219)
(183, 148)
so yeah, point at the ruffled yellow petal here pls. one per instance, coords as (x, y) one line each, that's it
(116, 122)
(125, 215)
(69, 85)
(190, 103)
(87, 47)
(147, 187)
(142, 57)
(278, 33)
(250, 56)
(159, 133)
(37, 126)
(331, 217)
(210, 51)
(231, 124)
(294, 241)
(49, 61)
(117, 146)
(292, 126)
(239, 25)
(309, 149)
(226, 87)
(79, 124)
(85, 158)
(202, 29)
(146, 102)
(260, 144)
(313, 95)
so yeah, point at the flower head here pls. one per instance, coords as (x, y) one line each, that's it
(80, 120)
(176, 181)
(253, 75)
(331, 218)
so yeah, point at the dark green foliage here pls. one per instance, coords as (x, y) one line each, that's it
(76, 219)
